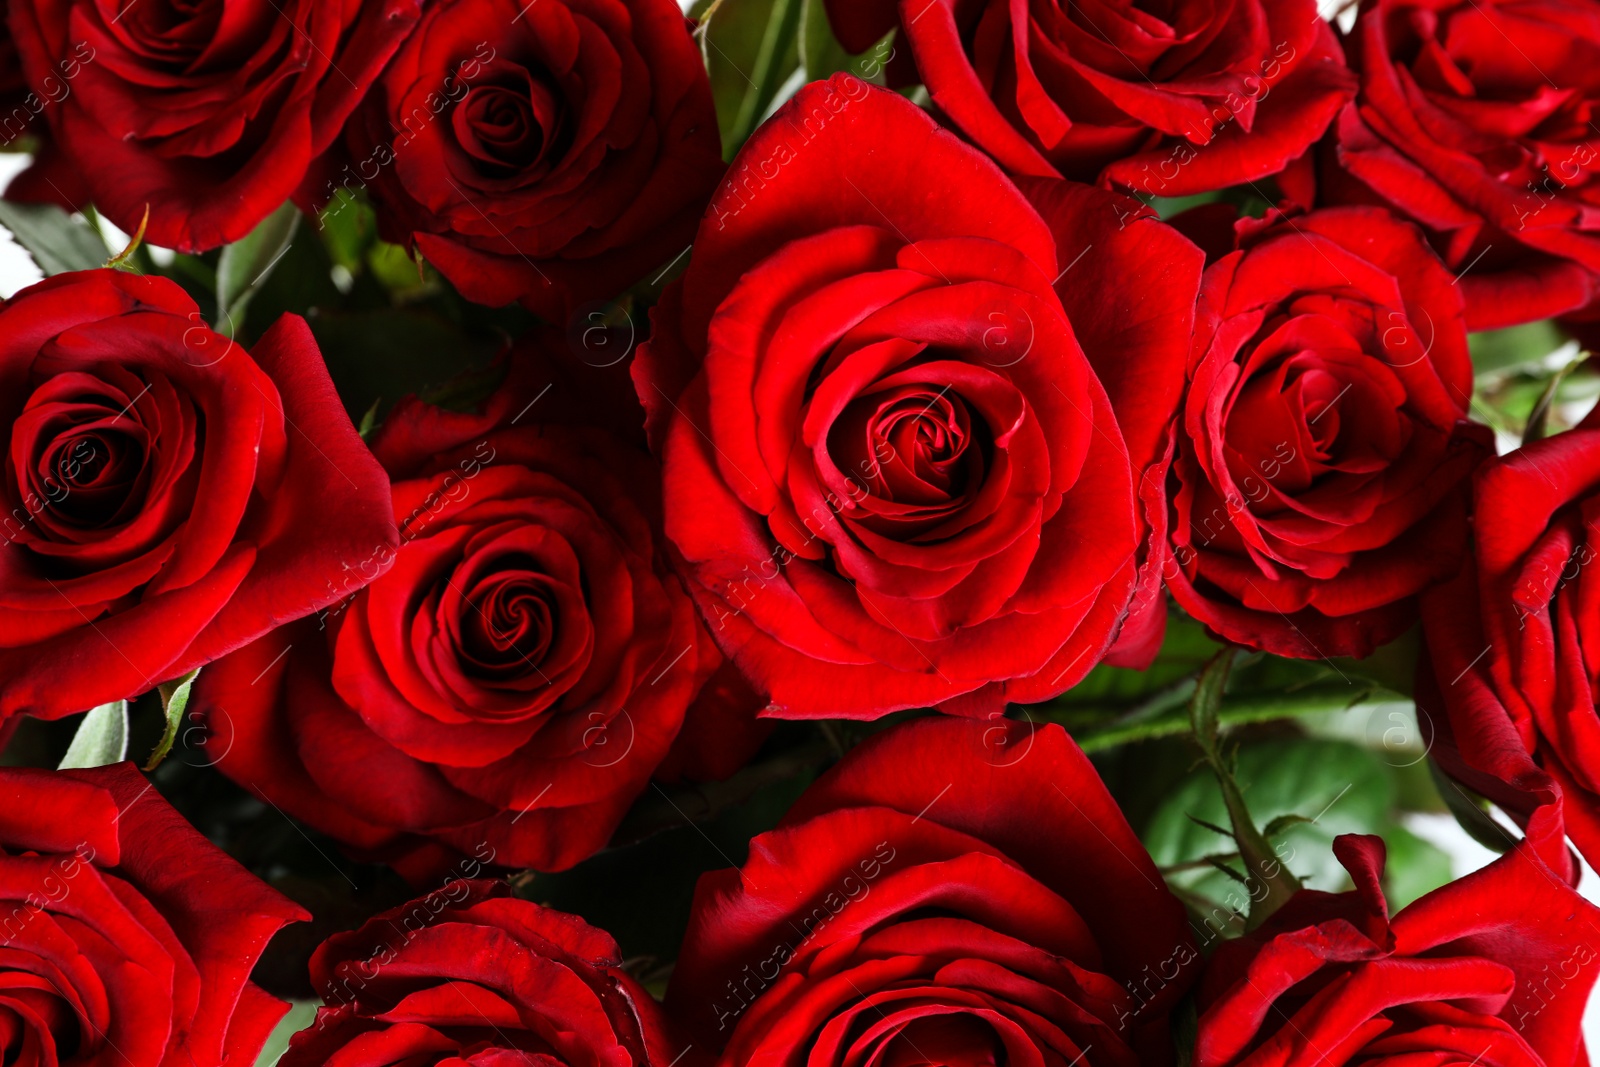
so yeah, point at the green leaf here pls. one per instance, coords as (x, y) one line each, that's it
(102, 738)
(246, 263)
(751, 48)
(822, 56)
(398, 271)
(1415, 867)
(383, 355)
(1168, 206)
(1335, 787)
(1528, 345)
(302, 1013)
(1470, 813)
(369, 421)
(1184, 650)
(1264, 870)
(1540, 415)
(349, 226)
(57, 242)
(1283, 822)
(1172, 716)
(174, 701)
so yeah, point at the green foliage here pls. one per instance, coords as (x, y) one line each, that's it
(1306, 792)
(1470, 812)
(1516, 348)
(57, 241)
(377, 357)
(174, 702)
(102, 738)
(301, 1014)
(1115, 706)
(245, 264)
(751, 49)
(822, 56)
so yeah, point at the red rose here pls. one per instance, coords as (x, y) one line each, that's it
(1493, 969)
(1473, 119)
(893, 476)
(507, 688)
(551, 153)
(1165, 103)
(49, 178)
(125, 936)
(951, 892)
(206, 114)
(1320, 478)
(166, 495)
(16, 112)
(470, 976)
(1508, 679)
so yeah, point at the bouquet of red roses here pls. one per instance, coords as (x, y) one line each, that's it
(799, 533)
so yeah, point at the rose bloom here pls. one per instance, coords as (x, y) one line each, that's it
(207, 114)
(15, 114)
(1492, 969)
(166, 496)
(1167, 100)
(21, 106)
(951, 892)
(900, 469)
(1474, 120)
(1320, 481)
(125, 936)
(552, 153)
(469, 975)
(1508, 678)
(507, 688)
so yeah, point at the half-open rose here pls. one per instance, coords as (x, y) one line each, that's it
(208, 113)
(468, 976)
(1321, 476)
(1508, 678)
(550, 152)
(1165, 99)
(1475, 119)
(1493, 969)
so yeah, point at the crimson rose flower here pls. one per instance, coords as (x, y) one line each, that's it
(1493, 969)
(209, 113)
(49, 178)
(1509, 676)
(15, 114)
(470, 976)
(1320, 481)
(1167, 100)
(900, 469)
(507, 688)
(125, 936)
(1474, 119)
(551, 153)
(951, 892)
(166, 496)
